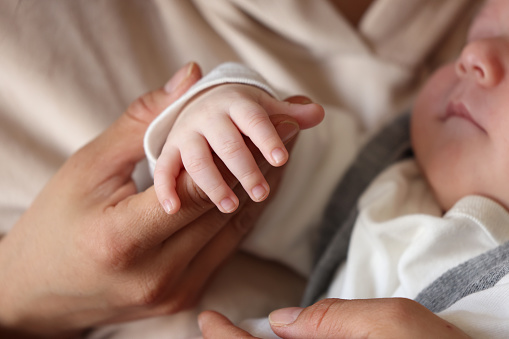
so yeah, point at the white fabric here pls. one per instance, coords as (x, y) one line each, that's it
(482, 315)
(401, 243)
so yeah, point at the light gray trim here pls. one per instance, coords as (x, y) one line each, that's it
(390, 145)
(474, 275)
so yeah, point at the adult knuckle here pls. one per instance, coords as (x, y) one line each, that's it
(321, 320)
(116, 254)
(141, 291)
(149, 291)
(322, 317)
(241, 226)
(160, 287)
(109, 250)
(246, 218)
(197, 196)
(168, 297)
(183, 300)
(142, 107)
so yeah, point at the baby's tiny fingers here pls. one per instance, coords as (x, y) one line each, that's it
(254, 122)
(230, 147)
(200, 165)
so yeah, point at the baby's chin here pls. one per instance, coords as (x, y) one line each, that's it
(445, 195)
(445, 203)
(446, 200)
(442, 196)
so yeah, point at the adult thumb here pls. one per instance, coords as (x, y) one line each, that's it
(319, 320)
(362, 318)
(120, 147)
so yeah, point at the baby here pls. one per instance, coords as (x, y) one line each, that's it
(459, 123)
(412, 215)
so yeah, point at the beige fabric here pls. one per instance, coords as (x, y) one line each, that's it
(69, 68)
(424, 23)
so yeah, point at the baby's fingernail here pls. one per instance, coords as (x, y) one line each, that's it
(259, 192)
(284, 316)
(228, 205)
(287, 130)
(168, 206)
(278, 155)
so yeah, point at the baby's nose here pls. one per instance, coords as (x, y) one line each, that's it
(482, 61)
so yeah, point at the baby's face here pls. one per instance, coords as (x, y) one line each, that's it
(460, 123)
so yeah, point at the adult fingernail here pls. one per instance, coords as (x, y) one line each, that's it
(284, 316)
(179, 77)
(287, 130)
(299, 99)
(304, 101)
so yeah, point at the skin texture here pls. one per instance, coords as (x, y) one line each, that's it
(92, 250)
(216, 121)
(460, 120)
(338, 318)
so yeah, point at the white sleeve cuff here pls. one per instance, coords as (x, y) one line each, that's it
(230, 72)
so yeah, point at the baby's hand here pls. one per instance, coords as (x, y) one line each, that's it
(217, 120)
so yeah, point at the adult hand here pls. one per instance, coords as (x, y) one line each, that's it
(91, 250)
(337, 318)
